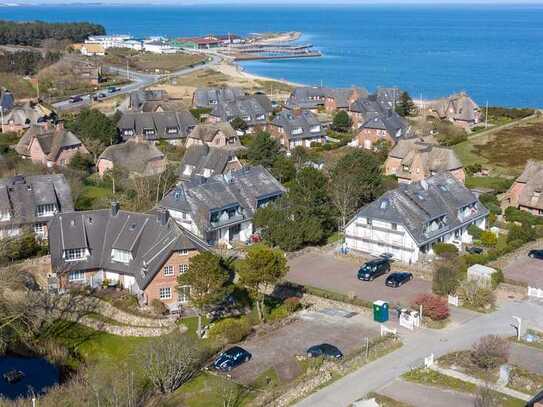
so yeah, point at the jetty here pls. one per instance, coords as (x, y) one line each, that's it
(257, 51)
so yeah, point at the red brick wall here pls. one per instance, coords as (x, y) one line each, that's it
(152, 291)
(368, 137)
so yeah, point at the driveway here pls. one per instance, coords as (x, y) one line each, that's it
(525, 270)
(327, 271)
(527, 357)
(418, 395)
(279, 347)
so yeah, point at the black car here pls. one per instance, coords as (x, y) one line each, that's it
(231, 358)
(373, 269)
(474, 250)
(324, 349)
(76, 99)
(536, 254)
(398, 279)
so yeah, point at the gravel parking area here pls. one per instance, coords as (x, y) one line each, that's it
(525, 270)
(326, 271)
(278, 348)
(418, 395)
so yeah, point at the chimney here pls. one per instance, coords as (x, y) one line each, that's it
(163, 217)
(60, 125)
(296, 112)
(115, 206)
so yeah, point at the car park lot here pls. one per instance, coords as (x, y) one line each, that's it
(525, 270)
(278, 348)
(329, 272)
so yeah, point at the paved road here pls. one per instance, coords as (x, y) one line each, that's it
(525, 270)
(140, 81)
(416, 394)
(418, 345)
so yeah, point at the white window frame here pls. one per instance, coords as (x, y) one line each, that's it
(46, 210)
(168, 271)
(76, 254)
(76, 276)
(183, 268)
(165, 293)
(184, 252)
(121, 256)
(184, 294)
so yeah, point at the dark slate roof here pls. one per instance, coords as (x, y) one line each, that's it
(210, 97)
(21, 195)
(200, 157)
(150, 241)
(305, 121)
(415, 205)
(306, 97)
(392, 122)
(368, 105)
(133, 156)
(201, 196)
(343, 96)
(388, 97)
(247, 108)
(6, 100)
(144, 100)
(159, 122)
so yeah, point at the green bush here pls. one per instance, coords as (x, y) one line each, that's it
(497, 278)
(278, 313)
(232, 330)
(538, 230)
(477, 297)
(292, 304)
(445, 280)
(475, 231)
(517, 215)
(524, 233)
(444, 249)
(158, 307)
(488, 238)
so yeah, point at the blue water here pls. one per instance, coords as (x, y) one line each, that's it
(39, 375)
(493, 52)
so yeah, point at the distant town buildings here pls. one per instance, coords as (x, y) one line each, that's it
(23, 117)
(30, 202)
(412, 160)
(406, 222)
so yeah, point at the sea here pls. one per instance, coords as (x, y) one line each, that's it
(493, 52)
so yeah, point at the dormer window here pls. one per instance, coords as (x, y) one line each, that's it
(207, 172)
(5, 215)
(171, 130)
(261, 117)
(315, 129)
(46, 210)
(128, 132)
(80, 253)
(188, 170)
(149, 132)
(121, 256)
(297, 131)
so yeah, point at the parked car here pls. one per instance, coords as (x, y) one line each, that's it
(536, 254)
(474, 250)
(231, 358)
(324, 349)
(372, 269)
(76, 99)
(398, 279)
(101, 95)
(112, 89)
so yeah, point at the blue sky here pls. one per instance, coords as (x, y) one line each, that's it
(202, 2)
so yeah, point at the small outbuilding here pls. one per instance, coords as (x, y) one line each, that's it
(481, 274)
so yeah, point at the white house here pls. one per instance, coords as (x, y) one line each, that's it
(408, 221)
(219, 209)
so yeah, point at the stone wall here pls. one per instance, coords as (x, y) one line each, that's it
(127, 330)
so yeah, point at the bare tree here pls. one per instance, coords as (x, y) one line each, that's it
(171, 360)
(486, 397)
(230, 393)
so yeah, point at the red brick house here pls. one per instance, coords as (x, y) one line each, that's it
(388, 127)
(526, 193)
(342, 98)
(142, 253)
(52, 147)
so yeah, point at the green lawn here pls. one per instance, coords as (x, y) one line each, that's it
(498, 184)
(91, 194)
(467, 155)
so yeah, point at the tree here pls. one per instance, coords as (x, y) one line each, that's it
(355, 180)
(95, 129)
(490, 352)
(405, 106)
(171, 360)
(239, 124)
(433, 306)
(81, 162)
(283, 169)
(342, 121)
(263, 150)
(445, 280)
(486, 397)
(206, 278)
(262, 268)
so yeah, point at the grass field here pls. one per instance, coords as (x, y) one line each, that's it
(148, 62)
(504, 152)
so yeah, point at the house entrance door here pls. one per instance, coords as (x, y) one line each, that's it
(233, 233)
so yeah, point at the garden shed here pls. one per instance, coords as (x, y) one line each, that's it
(481, 274)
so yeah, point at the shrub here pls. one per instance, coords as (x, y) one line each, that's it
(445, 280)
(538, 230)
(490, 352)
(488, 238)
(517, 215)
(292, 304)
(475, 231)
(278, 313)
(232, 330)
(477, 297)
(445, 249)
(497, 278)
(159, 307)
(433, 306)
(524, 233)
(473, 169)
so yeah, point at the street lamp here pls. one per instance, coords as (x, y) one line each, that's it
(518, 327)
